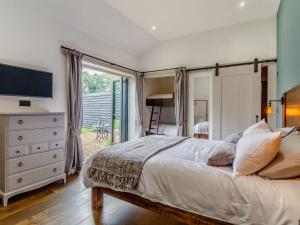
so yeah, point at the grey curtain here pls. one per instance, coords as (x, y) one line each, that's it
(74, 153)
(139, 125)
(181, 101)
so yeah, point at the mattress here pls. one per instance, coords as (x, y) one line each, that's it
(167, 129)
(179, 177)
(161, 96)
(201, 128)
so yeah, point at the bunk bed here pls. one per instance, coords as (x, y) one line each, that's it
(156, 102)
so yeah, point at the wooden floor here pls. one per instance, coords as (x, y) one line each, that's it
(69, 204)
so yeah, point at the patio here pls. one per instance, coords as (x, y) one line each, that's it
(91, 144)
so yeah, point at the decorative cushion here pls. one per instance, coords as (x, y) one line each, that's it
(233, 138)
(259, 127)
(255, 151)
(222, 155)
(287, 162)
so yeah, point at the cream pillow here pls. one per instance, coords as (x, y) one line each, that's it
(287, 162)
(259, 127)
(255, 151)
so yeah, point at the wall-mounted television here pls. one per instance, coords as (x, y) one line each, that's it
(17, 81)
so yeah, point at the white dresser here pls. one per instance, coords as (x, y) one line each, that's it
(31, 152)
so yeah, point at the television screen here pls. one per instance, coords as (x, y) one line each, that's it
(18, 81)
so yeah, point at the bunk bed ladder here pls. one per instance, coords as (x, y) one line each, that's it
(157, 120)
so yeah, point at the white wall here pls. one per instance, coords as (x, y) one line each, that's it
(230, 44)
(31, 41)
(236, 43)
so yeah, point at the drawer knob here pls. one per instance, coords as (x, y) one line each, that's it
(20, 138)
(17, 152)
(54, 133)
(19, 180)
(38, 147)
(54, 119)
(54, 170)
(54, 156)
(56, 144)
(20, 122)
(20, 164)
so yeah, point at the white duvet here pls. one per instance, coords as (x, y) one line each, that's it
(179, 177)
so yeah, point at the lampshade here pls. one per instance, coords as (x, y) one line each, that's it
(269, 110)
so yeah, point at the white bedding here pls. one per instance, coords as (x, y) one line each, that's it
(179, 177)
(167, 129)
(160, 96)
(201, 127)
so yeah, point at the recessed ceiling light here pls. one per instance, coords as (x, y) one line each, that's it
(153, 27)
(242, 4)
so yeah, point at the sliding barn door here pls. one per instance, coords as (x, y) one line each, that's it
(241, 99)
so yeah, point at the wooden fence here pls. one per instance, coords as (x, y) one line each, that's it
(98, 106)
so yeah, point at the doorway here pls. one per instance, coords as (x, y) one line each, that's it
(200, 103)
(104, 120)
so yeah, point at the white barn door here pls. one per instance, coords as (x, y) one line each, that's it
(241, 99)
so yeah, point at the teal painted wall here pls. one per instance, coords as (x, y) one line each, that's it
(288, 46)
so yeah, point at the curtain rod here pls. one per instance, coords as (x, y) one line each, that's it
(102, 60)
(188, 70)
(152, 71)
(214, 66)
(231, 65)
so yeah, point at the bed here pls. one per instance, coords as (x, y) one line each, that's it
(167, 129)
(156, 102)
(201, 129)
(165, 100)
(179, 179)
(178, 183)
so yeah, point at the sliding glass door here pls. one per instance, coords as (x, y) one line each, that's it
(105, 110)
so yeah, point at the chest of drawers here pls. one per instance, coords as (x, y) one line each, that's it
(31, 152)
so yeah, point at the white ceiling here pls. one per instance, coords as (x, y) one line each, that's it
(126, 24)
(176, 18)
(97, 19)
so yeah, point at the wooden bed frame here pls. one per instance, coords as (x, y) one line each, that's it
(291, 100)
(181, 215)
(165, 102)
(291, 108)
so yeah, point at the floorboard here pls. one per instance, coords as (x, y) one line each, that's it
(69, 204)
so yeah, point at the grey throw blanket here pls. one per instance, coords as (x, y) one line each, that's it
(120, 166)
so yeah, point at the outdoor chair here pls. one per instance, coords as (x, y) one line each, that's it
(102, 129)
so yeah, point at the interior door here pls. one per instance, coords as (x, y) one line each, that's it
(241, 99)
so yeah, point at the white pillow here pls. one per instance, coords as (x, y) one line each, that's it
(259, 127)
(285, 131)
(287, 162)
(255, 151)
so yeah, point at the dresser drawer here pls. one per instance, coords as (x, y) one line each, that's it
(18, 151)
(33, 161)
(57, 144)
(33, 176)
(22, 122)
(39, 147)
(33, 136)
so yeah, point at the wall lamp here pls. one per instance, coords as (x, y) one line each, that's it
(270, 110)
